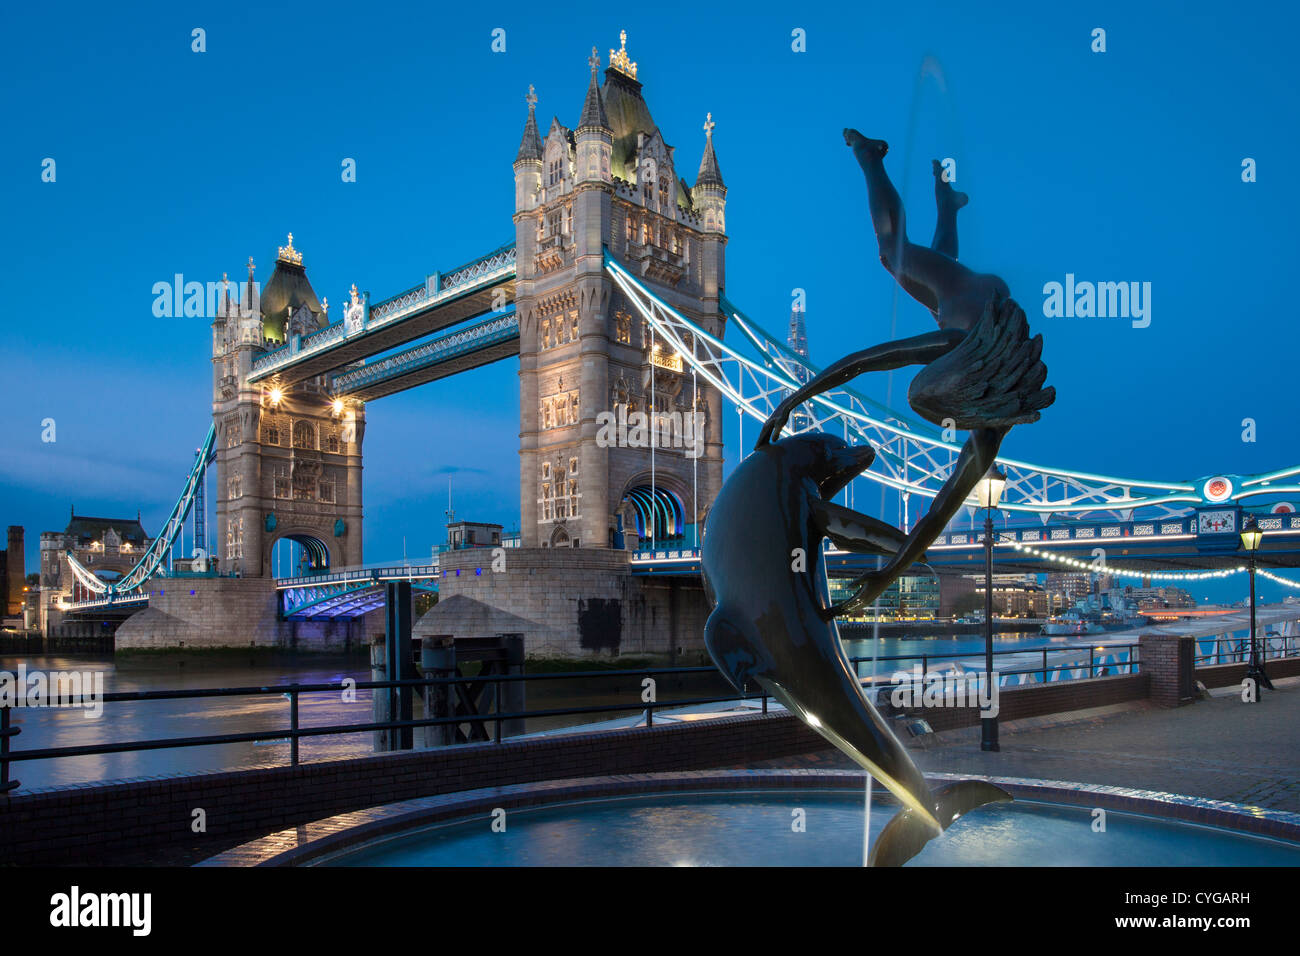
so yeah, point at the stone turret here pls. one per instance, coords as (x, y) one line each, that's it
(528, 161)
(585, 354)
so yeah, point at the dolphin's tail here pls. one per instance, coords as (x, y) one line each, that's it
(907, 834)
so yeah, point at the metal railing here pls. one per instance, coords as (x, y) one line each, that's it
(1109, 655)
(1100, 658)
(1236, 650)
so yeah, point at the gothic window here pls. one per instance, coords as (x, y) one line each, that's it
(573, 497)
(575, 415)
(553, 223)
(645, 233)
(556, 171)
(235, 486)
(677, 244)
(271, 434)
(623, 327)
(541, 230)
(281, 486)
(239, 537)
(332, 443)
(546, 500)
(568, 220)
(573, 466)
(573, 326)
(546, 415)
(663, 192)
(304, 435)
(327, 490)
(631, 229)
(232, 436)
(546, 333)
(559, 330)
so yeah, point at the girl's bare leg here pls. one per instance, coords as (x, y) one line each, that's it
(946, 201)
(928, 276)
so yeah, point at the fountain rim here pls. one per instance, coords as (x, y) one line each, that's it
(345, 832)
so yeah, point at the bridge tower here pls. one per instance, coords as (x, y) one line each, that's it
(288, 453)
(585, 356)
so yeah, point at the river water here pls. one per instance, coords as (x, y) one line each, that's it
(145, 720)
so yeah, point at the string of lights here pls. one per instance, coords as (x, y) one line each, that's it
(1100, 566)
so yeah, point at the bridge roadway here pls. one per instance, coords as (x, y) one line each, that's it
(1170, 545)
(480, 287)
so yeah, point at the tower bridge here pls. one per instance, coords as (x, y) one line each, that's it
(612, 295)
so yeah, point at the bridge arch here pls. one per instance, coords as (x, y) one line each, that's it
(312, 556)
(655, 511)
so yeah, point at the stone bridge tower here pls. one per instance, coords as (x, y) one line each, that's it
(288, 453)
(585, 356)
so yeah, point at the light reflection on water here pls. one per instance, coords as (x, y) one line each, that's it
(755, 830)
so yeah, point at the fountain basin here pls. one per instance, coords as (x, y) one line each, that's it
(752, 818)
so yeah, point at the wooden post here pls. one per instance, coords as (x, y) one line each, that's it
(379, 697)
(513, 697)
(400, 660)
(438, 659)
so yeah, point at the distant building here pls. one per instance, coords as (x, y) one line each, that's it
(109, 547)
(1149, 598)
(1063, 588)
(912, 597)
(1015, 595)
(12, 572)
(473, 534)
(797, 340)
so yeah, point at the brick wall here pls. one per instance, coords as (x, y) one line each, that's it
(1222, 675)
(91, 825)
(1036, 700)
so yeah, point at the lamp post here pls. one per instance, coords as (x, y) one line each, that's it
(988, 492)
(1250, 539)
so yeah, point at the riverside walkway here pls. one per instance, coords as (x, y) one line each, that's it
(1219, 748)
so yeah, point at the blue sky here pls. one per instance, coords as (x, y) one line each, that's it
(1115, 166)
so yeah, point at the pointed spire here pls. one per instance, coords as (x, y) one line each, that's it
(593, 110)
(709, 174)
(530, 147)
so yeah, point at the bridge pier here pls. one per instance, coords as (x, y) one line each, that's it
(567, 603)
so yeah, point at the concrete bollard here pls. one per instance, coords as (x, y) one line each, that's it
(438, 659)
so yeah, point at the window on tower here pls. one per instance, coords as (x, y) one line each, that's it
(304, 435)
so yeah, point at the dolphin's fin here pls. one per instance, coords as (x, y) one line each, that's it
(905, 836)
(856, 532)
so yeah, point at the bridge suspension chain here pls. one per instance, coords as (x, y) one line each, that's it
(911, 456)
(149, 562)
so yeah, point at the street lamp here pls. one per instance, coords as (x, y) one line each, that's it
(1251, 536)
(988, 492)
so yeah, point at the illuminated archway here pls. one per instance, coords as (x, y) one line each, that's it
(297, 554)
(659, 513)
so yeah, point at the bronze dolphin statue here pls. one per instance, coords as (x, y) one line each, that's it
(771, 624)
